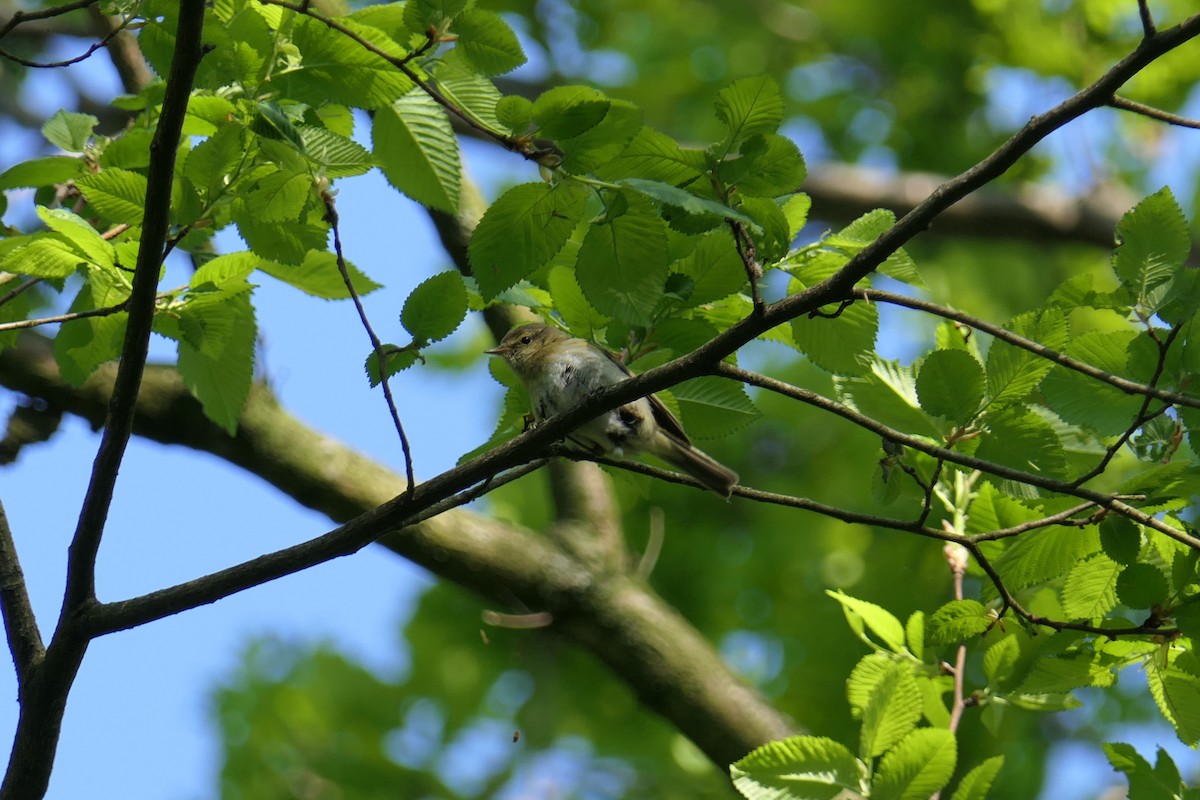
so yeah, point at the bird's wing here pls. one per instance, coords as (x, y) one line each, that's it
(662, 415)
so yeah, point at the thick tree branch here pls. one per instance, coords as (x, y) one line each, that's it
(24, 639)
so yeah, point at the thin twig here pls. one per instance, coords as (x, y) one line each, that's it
(21, 324)
(654, 543)
(68, 62)
(1148, 28)
(20, 17)
(17, 292)
(1127, 386)
(331, 216)
(956, 557)
(1125, 104)
(749, 255)
(20, 625)
(1111, 502)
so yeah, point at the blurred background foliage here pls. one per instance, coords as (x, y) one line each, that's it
(481, 711)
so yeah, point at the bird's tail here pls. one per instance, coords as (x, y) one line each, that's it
(715, 476)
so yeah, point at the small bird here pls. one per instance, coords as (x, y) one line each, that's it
(559, 371)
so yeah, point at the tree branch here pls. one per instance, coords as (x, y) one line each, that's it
(20, 17)
(24, 639)
(1144, 110)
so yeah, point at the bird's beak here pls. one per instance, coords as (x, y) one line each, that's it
(499, 350)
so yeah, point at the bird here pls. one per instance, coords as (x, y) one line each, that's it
(559, 371)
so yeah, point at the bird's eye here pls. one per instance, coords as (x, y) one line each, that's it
(526, 339)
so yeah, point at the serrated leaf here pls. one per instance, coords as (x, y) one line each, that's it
(605, 140)
(879, 620)
(919, 766)
(116, 194)
(288, 242)
(521, 231)
(212, 165)
(860, 233)
(892, 711)
(914, 633)
(45, 255)
(435, 308)
(396, 358)
(865, 676)
(279, 196)
(69, 130)
(221, 379)
(418, 152)
(714, 267)
(797, 768)
(37, 172)
(1141, 586)
(82, 236)
(749, 106)
(1177, 695)
(487, 42)
(1145, 783)
(1057, 675)
(950, 384)
(842, 345)
(331, 71)
(622, 265)
(1121, 539)
(1019, 438)
(1080, 400)
(1154, 243)
(474, 94)
(957, 621)
(571, 305)
(568, 111)
(1044, 555)
(768, 165)
(714, 407)
(654, 156)
(976, 783)
(318, 275)
(685, 201)
(888, 393)
(336, 156)
(419, 15)
(1013, 373)
(1091, 588)
(515, 113)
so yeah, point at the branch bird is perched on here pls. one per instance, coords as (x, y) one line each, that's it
(560, 371)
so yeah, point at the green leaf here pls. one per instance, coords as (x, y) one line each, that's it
(436, 307)
(797, 768)
(336, 156)
(69, 130)
(749, 106)
(38, 172)
(842, 345)
(45, 255)
(1154, 243)
(1145, 782)
(769, 165)
(1044, 555)
(1141, 586)
(82, 345)
(878, 620)
(289, 242)
(714, 407)
(333, 71)
(571, 305)
(418, 152)
(82, 236)
(318, 275)
(1059, 674)
(775, 240)
(220, 379)
(515, 113)
(1121, 539)
(1019, 438)
(888, 394)
(521, 231)
(919, 766)
(1013, 373)
(213, 164)
(714, 267)
(1091, 588)
(892, 711)
(420, 15)
(950, 384)
(487, 42)
(622, 264)
(468, 91)
(685, 201)
(1080, 400)
(568, 111)
(958, 621)
(279, 196)
(605, 140)
(976, 783)
(116, 194)
(914, 633)
(795, 210)
(865, 676)
(396, 358)
(654, 156)
(864, 231)
(1178, 697)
